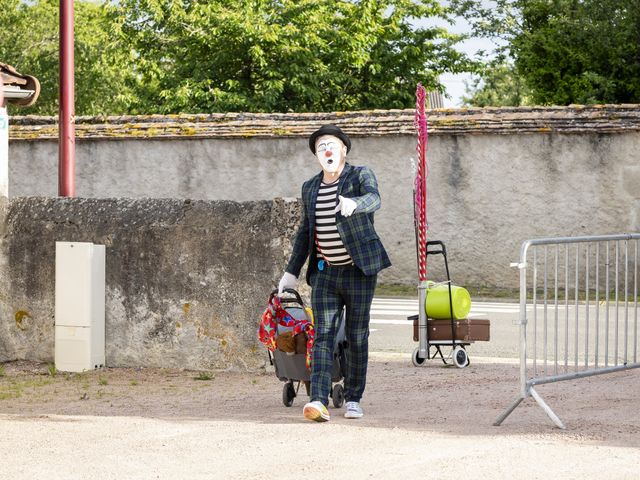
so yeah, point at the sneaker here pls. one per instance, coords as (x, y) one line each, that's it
(316, 411)
(354, 410)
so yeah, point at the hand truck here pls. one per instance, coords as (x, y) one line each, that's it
(422, 352)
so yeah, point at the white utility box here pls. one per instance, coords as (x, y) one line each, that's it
(79, 316)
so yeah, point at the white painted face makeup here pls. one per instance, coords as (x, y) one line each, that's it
(329, 152)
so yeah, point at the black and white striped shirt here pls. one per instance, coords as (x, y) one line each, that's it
(328, 239)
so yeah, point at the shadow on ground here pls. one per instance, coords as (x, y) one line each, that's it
(432, 398)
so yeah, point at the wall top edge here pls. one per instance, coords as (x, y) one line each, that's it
(489, 120)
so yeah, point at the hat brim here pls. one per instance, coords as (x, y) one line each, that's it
(329, 130)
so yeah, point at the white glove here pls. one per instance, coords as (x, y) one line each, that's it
(288, 280)
(346, 206)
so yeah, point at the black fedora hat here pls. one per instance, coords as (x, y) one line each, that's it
(329, 130)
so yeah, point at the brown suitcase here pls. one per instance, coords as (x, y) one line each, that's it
(467, 330)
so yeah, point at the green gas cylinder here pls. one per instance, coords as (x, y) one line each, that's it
(437, 301)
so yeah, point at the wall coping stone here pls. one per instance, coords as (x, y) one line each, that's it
(369, 123)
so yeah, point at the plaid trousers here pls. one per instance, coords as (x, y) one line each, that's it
(333, 288)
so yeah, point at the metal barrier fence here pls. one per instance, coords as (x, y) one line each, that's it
(578, 311)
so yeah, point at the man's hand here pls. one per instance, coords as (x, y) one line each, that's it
(288, 280)
(346, 206)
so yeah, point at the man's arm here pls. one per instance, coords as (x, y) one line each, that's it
(370, 201)
(301, 242)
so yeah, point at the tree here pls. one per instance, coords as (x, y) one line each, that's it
(498, 85)
(284, 55)
(172, 56)
(581, 52)
(567, 51)
(29, 41)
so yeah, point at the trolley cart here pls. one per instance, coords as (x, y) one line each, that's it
(292, 368)
(453, 333)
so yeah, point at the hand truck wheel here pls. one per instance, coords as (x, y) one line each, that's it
(460, 357)
(337, 395)
(288, 394)
(416, 359)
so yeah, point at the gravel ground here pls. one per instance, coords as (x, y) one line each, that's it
(431, 421)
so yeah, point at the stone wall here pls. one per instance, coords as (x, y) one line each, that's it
(186, 281)
(497, 176)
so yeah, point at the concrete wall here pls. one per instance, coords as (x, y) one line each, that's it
(186, 281)
(497, 176)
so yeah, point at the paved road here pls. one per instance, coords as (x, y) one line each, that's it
(391, 332)
(234, 425)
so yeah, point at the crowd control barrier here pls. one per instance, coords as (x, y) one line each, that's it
(578, 311)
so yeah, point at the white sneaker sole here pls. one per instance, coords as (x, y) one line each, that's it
(311, 412)
(353, 415)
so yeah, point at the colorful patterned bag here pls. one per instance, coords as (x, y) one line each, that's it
(275, 314)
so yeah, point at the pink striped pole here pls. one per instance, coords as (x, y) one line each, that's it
(420, 186)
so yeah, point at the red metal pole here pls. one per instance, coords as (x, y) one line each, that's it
(4, 145)
(67, 116)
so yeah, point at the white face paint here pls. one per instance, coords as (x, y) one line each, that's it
(330, 154)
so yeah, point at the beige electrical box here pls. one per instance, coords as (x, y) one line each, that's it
(79, 310)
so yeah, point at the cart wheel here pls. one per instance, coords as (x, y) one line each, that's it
(416, 359)
(460, 357)
(337, 395)
(288, 394)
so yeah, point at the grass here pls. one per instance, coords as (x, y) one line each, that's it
(204, 376)
(396, 290)
(582, 295)
(103, 381)
(133, 383)
(400, 290)
(51, 368)
(2, 371)
(513, 294)
(15, 389)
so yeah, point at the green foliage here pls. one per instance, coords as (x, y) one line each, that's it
(171, 56)
(581, 52)
(287, 55)
(567, 51)
(51, 368)
(204, 376)
(499, 85)
(29, 41)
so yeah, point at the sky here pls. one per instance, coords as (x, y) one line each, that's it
(454, 84)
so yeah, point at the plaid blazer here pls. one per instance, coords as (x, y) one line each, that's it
(356, 231)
